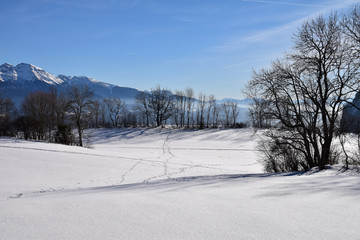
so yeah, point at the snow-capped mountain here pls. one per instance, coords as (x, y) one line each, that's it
(27, 72)
(16, 82)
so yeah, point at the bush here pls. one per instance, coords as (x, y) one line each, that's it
(64, 135)
(280, 157)
(240, 125)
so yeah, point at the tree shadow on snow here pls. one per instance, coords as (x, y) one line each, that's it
(268, 184)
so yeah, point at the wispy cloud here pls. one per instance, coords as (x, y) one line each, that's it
(34, 9)
(241, 42)
(35, 16)
(30, 10)
(195, 13)
(283, 3)
(94, 4)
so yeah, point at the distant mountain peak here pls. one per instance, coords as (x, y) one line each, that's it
(25, 72)
(6, 65)
(27, 65)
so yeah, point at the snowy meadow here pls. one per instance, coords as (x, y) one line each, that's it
(168, 184)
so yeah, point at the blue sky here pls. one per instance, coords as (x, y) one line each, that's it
(211, 46)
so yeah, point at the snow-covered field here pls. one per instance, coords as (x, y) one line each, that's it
(167, 184)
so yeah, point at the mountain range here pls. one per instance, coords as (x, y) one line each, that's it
(16, 82)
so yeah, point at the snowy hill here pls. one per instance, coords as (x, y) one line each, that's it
(167, 184)
(16, 82)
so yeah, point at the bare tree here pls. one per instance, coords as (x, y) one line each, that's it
(128, 118)
(61, 108)
(96, 109)
(351, 25)
(215, 114)
(52, 101)
(179, 108)
(115, 108)
(234, 111)
(142, 100)
(201, 106)
(225, 106)
(37, 109)
(7, 112)
(182, 100)
(176, 109)
(102, 114)
(58, 111)
(307, 92)
(211, 103)
(189, 98)
(80, 102)
(43, 112)
(260, 116)
(161, 105)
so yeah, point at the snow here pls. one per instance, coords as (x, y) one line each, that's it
(167, 184)
(82, 80)
(29, 72)
(26, 72)
(7, 72)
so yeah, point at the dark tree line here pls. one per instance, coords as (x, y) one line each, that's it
(51, 116)
(302, 97)
(160, 107)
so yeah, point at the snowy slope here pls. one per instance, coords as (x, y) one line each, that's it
(167, 184)
(76, 80)
(28, 72)
(7, 72)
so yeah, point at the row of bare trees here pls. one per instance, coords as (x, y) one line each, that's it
(182, 109)
(302, 96)
(51, 115)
